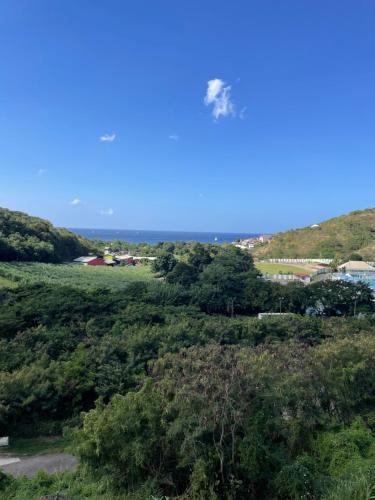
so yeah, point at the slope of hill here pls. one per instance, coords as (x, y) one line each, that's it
(338, 237)
(26, 238)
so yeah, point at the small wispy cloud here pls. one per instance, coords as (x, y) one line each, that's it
(75, 201)
(107, 138)
(174, 137)
(218, 95)
(107, 211)
(242, 114)
(42, 171)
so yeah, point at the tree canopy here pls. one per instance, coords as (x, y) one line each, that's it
(173, 388)
(26, 238)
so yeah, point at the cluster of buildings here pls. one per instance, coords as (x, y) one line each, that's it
(249, 243)
(110, 259)
(356, 271)
(351, 271)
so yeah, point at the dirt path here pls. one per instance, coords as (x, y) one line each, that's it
(51, 462)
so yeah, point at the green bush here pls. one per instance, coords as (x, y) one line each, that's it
(345, 449)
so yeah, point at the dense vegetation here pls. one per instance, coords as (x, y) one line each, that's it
(278, 408)
(179, 248)
(25, 238)
(339, 237)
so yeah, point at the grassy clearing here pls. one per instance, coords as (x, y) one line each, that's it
(35, 446)
(274, 268)
(73, 275)
(7, 283)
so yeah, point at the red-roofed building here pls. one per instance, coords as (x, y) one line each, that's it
(302, 276)
(98, 261)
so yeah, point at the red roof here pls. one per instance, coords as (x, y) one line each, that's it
(96, 262)
(301, 275)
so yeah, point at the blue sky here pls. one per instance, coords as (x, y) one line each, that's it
(107, 118)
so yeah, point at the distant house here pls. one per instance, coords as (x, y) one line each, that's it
(355, 271)
(265, 238)
(304, 277)
(356, 266)
(245, 245)
(314, 226)
(123, 256)
(90, 260)
(133, 260)
(85, 259)
(249, 243)
(96, 262)
(125, 259)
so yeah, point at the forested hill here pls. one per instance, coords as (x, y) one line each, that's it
(26, 238)
(338, 237)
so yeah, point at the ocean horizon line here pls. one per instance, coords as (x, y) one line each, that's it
(251, 234)
(154, 236)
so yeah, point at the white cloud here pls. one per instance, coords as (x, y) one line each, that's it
(75, 201)
(242, 114)
(42, 171)
(107, 138)
(174, 137)
(214, 87)
(107, 211)
(218, 94)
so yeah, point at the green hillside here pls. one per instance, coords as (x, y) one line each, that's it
(26, 238)
(338, 237)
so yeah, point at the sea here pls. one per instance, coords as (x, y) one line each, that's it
(154, 237)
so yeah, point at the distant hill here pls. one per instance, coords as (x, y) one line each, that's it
(26, 238)
(339, 237)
